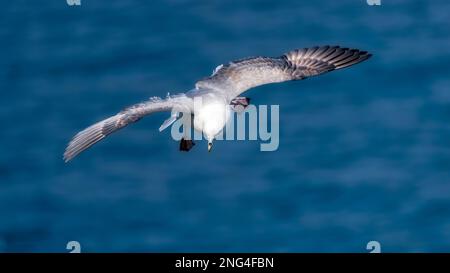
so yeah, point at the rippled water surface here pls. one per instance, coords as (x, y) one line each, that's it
(364, 152)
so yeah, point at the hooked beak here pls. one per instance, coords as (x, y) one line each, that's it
(209, 146)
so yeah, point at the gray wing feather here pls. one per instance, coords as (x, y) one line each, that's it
(93, 134)
(239, 76)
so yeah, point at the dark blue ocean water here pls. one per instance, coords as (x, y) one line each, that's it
(364, 152)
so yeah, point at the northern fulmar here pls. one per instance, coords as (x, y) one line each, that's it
(221, 90)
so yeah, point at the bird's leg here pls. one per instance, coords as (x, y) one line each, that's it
(186, 144)
(239, 104)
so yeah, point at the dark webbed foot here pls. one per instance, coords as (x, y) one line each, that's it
(239, 104)
(186, 144)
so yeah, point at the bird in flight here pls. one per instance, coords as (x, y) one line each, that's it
(221, 90)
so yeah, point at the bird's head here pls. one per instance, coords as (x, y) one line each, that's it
(210, 144)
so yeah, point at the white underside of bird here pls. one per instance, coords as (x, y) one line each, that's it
(211, 118)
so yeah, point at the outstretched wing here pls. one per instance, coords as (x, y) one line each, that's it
(93, 134)
(239, 76)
